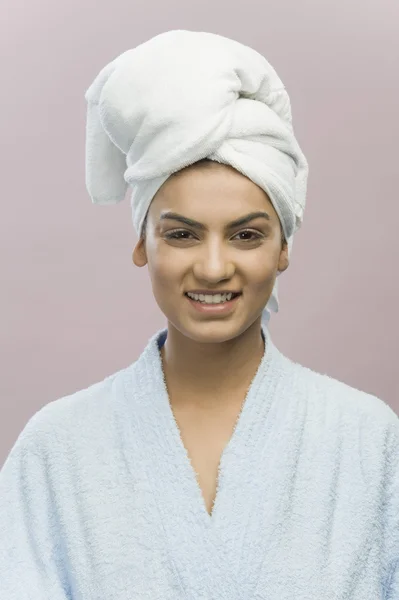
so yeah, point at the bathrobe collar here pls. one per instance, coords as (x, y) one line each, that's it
(214, 548)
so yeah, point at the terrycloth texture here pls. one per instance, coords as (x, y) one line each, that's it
(187, 95)
(98, 499)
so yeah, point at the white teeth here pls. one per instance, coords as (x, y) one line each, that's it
(210, 298)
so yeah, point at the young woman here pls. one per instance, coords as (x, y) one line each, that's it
(212, 467)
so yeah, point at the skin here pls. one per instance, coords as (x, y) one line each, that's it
(209, 361)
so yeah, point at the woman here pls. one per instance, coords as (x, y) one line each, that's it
(212, 467)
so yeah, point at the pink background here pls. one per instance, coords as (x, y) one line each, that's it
(75, 309)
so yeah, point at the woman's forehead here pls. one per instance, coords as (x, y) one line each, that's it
(224, 195)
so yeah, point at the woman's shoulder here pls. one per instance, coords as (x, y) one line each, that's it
(324, 388)
(76, 416)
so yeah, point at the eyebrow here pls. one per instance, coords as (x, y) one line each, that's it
(197, 225)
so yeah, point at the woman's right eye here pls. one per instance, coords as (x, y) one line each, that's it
(177, 235)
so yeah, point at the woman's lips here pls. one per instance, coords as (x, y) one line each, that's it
(216, 309)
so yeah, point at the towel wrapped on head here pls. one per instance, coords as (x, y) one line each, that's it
(183, 96)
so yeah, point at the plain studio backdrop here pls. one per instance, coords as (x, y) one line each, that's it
(75, 309)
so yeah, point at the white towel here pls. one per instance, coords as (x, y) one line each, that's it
(183, 96)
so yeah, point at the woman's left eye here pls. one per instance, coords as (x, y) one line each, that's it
(250, 232)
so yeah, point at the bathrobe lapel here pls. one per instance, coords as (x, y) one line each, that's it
(207, 553)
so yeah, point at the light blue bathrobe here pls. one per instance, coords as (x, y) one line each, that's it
(99, 501)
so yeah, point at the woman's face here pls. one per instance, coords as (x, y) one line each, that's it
(213, 255)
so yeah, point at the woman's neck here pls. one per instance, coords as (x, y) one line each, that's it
(197, 373)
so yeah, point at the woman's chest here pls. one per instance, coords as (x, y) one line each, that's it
(205, 435)
(138, 542)
(297, 511)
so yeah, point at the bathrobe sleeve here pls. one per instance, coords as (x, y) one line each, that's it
(391, 516)
(32, 565)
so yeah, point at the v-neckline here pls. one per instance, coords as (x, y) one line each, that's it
(176, 439)
(206, 551)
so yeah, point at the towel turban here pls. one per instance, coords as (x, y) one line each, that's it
(183, 96)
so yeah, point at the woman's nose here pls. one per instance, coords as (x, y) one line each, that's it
(213, 263)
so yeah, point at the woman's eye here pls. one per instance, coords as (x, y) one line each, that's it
(177, 235)
(255, 235)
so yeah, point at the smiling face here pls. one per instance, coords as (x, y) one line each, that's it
(208, 251)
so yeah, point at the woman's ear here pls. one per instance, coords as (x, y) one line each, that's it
(283, 262)
(139, 255)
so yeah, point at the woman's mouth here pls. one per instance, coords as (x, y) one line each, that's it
(213, 303)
